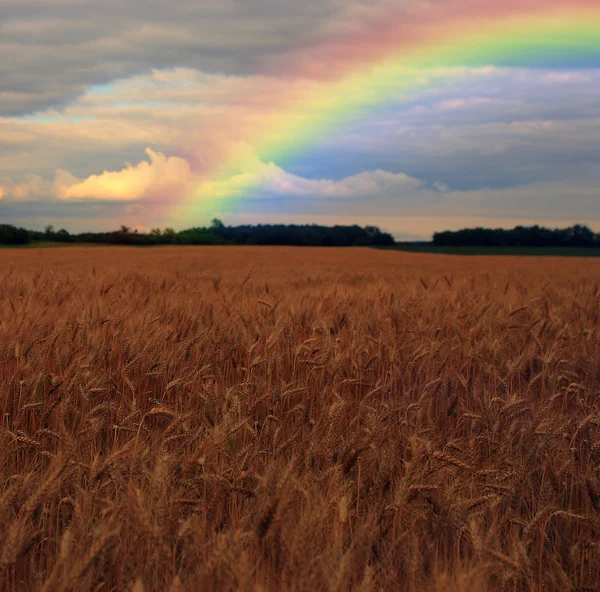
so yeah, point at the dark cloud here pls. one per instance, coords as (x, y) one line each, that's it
(53, 49)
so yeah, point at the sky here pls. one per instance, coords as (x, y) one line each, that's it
(414, 115)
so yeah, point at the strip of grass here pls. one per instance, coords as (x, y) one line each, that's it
(56, 244)
(525, 251)
(407, 247)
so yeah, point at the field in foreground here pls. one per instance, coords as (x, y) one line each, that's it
(298, 419)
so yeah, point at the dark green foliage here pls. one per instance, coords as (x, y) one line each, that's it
(305, 235)
(51, 235)
(219, 234)
(11, 235)
(521, 236)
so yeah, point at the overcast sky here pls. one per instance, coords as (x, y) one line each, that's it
(116, 112)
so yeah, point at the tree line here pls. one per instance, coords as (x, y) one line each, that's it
(215, 234)
(308, 235)
(520, 236)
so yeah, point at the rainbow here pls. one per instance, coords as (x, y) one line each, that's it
(390, 61)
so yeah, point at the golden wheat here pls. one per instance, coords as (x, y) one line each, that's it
(236, 418)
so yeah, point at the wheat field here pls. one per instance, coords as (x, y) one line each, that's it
(262, 419)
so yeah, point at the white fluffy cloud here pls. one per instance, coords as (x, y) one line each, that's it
(171, 179)
(172, 176)
(157, 176)
(34, 187)
(145, 194)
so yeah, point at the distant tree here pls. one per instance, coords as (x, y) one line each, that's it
(216, 224)
(168, 235)
(582, 236)
(520, 236)
(11, 235)
(63, 236)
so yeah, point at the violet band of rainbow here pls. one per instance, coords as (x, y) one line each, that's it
(558, 36)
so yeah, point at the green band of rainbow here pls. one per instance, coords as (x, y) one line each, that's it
(568, 36)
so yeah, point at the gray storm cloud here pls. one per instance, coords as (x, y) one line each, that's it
(58, 48)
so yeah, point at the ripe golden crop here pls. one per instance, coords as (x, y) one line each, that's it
(247, 418)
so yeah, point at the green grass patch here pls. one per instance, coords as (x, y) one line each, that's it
(522, 251)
